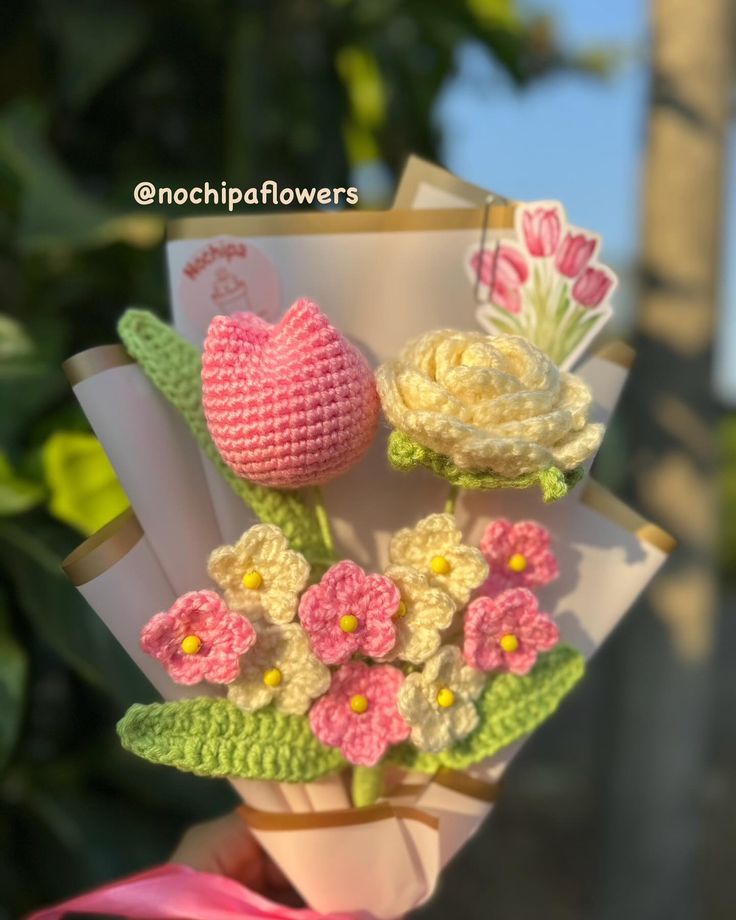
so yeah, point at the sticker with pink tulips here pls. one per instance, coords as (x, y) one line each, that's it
(545, 283)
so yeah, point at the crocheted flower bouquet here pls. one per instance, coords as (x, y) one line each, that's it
(440, 660)
(363, 712)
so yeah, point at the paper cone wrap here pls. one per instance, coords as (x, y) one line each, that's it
(377, 862)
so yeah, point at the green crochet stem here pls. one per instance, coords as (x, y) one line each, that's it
(405, 454)
(173, 365)
(211, 737)
(367, 786)
(510, 707)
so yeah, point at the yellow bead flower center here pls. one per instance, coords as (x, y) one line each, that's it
(517, 563)
(509, 643)
(272, 677)
(440, 565)
(252, 580)
(348, 623)
(358, 703)
(190, 645)
(445, 698)
(401, 611)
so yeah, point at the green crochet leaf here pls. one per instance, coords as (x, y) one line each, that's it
(510, 707)
(405, 454)
(212, 737)
(173, 365)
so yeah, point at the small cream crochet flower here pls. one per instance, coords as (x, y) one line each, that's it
(438, 701)
(434, 547)
(488, 403)
(279, 668)
(260, 574)
(423, 612)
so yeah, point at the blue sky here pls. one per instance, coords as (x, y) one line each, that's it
(574, 138)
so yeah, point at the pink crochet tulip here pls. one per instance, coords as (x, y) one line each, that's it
(518, 556)
(541, 228)
(503, 270)
(575, 251)
(592, 287)
(348, 612)
(359, 714)
(507, 632)
(198, 638)
(288, 405)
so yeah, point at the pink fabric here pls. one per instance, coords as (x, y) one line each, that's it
(541, 228)
(344, 590)
(592, 287)
(512, 613)
(361, 736)
(224, 635)
(502, 540)
(504, 270)
(575, 251)
(288, 405)
(173, 892)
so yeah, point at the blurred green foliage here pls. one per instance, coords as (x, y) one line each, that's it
(96, 95)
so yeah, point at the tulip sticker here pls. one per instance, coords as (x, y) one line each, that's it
(545, 284)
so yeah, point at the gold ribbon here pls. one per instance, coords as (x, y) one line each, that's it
(94, 361)
(467, 785)
(339, 222)
(344, 817)
(103, 549)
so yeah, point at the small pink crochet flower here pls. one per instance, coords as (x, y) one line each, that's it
(507, 632)
(359, 714)
(288, 405)
(518, 556)
(348, 612)
(198, 638)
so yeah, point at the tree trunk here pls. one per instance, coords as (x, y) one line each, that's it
(661, 660)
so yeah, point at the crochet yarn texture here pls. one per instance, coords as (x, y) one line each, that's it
(287, 405)
(212, 737)
(173, 366)
(405, 455)
(509, 708)
(489, 403)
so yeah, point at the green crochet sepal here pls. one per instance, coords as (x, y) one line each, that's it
(406, 454)
(510, 707)
(212, 737)
(173, 365)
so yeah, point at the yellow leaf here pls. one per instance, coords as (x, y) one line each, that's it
(84, 491)
(361, 76)
(501, 14)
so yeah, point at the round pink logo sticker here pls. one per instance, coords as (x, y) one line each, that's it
(229, 275)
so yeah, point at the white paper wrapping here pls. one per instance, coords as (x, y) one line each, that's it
(155, 459)
(121, 578)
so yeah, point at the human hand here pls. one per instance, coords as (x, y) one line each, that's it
(225, 846)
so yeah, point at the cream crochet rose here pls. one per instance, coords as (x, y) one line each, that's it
(488, 402)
